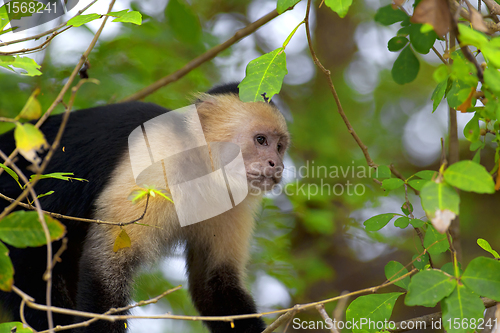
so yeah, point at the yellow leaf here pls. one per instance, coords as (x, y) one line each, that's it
(29, 140)
(32, 109)
(122, 241)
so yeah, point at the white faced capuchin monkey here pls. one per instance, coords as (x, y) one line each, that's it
(90, 276)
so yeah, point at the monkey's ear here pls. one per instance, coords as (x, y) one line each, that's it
(206, 102)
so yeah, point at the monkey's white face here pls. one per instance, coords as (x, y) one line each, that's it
(263, 152)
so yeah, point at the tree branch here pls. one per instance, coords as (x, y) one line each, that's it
(58, 100)
(53, 30)
(327, 73)
(210, 54)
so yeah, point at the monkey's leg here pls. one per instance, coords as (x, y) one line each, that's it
(218, 291)
(104, 282)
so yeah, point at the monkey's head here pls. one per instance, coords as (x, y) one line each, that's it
(258, 128)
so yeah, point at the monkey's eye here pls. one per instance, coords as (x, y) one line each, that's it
(280, 146)
(261, 140)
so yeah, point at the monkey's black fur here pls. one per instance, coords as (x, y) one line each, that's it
(91, 147)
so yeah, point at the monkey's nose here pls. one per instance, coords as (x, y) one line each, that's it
(271, 163)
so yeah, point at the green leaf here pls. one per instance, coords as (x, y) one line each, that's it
(469, 36)
(404, 31)
(477, 157)
(22, 229)
(460, 309)
(28, 64)
(11, 173)
(439, 196)
(420, 262)
(9, 328)
(441, 73)
(482, 275)
(183, 21)
(428, 287)
(406, 67)
(483, 243)
(432, 236)
(492, 78)
(387, 15)
(463, 71)
(397, 43)
(421, 42)
(407, 208)
(402, 222)
(383, 171)
(6, 269)
(130, 17)
(438, 94)
(458, 93)
(450, 269)
(426, 174)
(339, 6)
(491, 54)
(285, 4)
(375, 307)
(477, 145)
(471, 130)
(59, 175)
(377, 222)
(418, 184)
(82, 19)
(394, 270)
(469, 176)
(392, 183)
(45, 194)
(137, 195)
(416, 223)
(264, 75)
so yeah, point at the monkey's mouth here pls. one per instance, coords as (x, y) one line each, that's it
(262, 178)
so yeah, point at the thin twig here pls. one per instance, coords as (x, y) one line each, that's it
(325, 71)
(39, 47)
(439, 56)
(454, 153)
(338, 312)
(112, 311)
(40, 35)
(287, 316)
(492, 6)
(47, 275)
(79, 219)
(326, 317)
(57, 140)
(57, 256)
(298, 307)
(210, 54)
